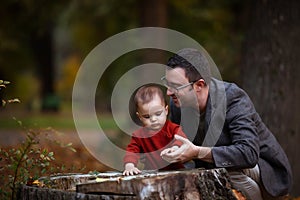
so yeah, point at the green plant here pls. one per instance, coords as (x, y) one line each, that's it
(3, 85)
(29, 160)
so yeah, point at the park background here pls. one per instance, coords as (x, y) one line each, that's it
(43, 43)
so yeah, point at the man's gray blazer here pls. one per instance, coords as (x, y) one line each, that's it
(243, 140)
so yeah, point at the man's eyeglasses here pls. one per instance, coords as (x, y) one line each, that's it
(174, 88)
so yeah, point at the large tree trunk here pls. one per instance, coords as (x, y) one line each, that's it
(42, 43)
(270, 70)
(153, 13)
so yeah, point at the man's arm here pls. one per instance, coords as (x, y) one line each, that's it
(238, 146)
(186, 152)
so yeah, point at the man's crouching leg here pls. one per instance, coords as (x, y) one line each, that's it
(247, 181)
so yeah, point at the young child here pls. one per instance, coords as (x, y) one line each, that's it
(156, 134)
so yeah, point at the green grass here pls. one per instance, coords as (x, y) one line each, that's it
(54, 120)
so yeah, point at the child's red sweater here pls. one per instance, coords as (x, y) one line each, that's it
(151, 147)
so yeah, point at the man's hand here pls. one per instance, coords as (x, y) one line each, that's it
(186, 152)
(169, 150)
(130, 169)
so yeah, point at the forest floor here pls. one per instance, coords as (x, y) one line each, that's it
(79, 161)
(14, 127)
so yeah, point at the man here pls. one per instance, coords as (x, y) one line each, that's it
(229, 131)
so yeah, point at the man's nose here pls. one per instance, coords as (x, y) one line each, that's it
(169, 92)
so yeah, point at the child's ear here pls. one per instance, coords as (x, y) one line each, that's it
(167, 109)
(138, 115)
(138, 119)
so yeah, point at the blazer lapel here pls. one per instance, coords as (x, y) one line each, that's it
(215, 113)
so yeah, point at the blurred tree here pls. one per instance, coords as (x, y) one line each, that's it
(26, 36)
(153, 13)
(91, 22)
(217, 25)
(42, 47)
(270, 71)
(26, 32)
(69, 70)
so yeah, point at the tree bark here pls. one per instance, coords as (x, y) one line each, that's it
(30, 193)
(189, 184)
(192, 184)
(270, 71)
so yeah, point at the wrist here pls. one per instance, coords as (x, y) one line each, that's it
(129, 165)
(197, 152)
(204, 153)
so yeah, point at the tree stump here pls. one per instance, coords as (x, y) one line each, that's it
(187, 184)
(190, 184)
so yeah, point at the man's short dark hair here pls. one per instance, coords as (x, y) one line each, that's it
(194, 63)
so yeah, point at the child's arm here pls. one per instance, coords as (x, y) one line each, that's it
(130, 169)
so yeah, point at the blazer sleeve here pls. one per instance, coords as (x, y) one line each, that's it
(238, 146)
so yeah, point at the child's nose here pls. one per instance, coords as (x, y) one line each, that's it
(153, 118)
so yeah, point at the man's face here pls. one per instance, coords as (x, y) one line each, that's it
(153, 115)
(185, 96)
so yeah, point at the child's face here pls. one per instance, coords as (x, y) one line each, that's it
(153, 115)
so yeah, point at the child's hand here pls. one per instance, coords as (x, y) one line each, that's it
(130, 169)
